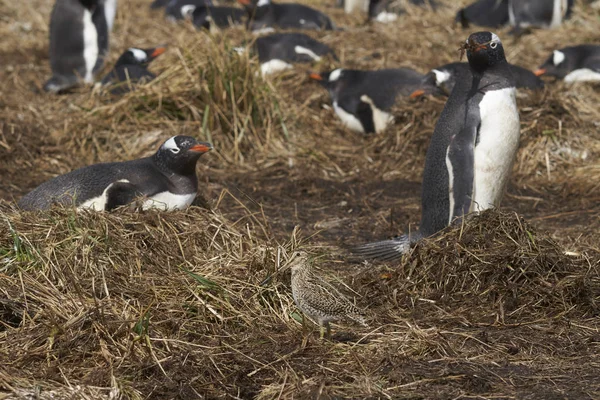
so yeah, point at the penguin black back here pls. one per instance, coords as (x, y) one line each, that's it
(489, 13)
(221, 17)
(264, 14)
(132, 67)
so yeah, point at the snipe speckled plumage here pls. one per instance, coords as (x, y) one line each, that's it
(318, 299)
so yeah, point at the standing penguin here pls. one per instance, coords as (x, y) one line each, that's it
(167, 180)
(131, 67)
(538, 13)
(363, 99)
(573, 64)
(472, 149)
(79, 39)
(264, 15)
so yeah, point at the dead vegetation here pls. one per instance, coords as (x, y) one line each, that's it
(178, 305)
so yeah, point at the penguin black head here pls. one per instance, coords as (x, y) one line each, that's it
(484, 50)
(180, 153)
(135, 56)
(559, 64)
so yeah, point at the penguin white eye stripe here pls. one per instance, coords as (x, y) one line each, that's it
(188, 9)
(171, 145)
(558, 57)
(263, 3)
(139, 55)
(335, 75)
(495, 38)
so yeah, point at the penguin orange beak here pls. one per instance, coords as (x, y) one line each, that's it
(540, 72)
(244, 2)
(315, 76)
(201, 147)
(158, 51)
(417, 93)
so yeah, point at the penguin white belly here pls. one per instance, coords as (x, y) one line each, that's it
(498, 143)
(273, 66)
(90, 46)
(168, 201)
(582, 75)
(348, 120)
(98, 203)
(381, 119)
(110, 9)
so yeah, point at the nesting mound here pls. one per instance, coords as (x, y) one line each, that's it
(495, 267)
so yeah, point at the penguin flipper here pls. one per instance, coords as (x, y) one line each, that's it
(120, 193)
(386, 250)
(461, 157)
(364, 112)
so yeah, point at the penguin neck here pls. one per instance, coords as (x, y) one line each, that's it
(183, 174)
(495, 76)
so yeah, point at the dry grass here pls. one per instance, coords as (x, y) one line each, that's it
(152, 305)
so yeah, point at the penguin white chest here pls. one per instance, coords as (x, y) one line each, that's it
(348, 120)
(498, 143)
(90, 45)
(168, 201)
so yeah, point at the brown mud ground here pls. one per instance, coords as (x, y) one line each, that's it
(164, 306)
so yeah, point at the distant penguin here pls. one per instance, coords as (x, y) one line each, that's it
(179, 9)
(538, 13)
(354, 5)
(167, 180)
(472, 149)
(573, 64)
(159, 4)
(79, 39)
(210, 18)
(446, 76)
(265, 16)
(488, 13)
(278, 51)
(131, 67)
(389, 10)
(363, 99)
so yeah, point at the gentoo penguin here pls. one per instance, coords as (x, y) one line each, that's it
(472, 149)
(167, 180)
(210, 18)
(538, 13)
(363, 99)
(278, 51)
(131, 67)
(180, 9)
(446, 76)
(490, 13)
(573, 64)
(265, 16)
(159, 4)
(79, 38)
(388, 10)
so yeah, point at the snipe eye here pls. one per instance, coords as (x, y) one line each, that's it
(493, 45)
(174, 150)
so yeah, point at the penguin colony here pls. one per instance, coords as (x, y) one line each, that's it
(470, 155)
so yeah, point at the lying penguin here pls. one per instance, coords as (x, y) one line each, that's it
(79, 39)
(167, 181)
(489, 13)
(278, 51)
(265, 16)
(472, 149)
(363, 99)
(179, 9)
(446, 76)
(210, 18)
(389, 10)
(573, 64)
(130, 68)
(538, 13)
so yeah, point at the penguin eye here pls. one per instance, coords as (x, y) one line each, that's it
(174, 150)
(493, 45)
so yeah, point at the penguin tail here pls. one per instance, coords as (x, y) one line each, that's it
(387, 250)
(56, 85)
